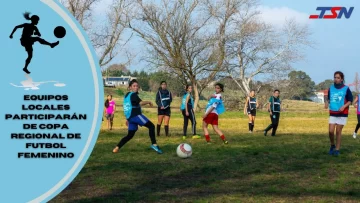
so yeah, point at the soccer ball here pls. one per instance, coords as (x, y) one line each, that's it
(184, 150)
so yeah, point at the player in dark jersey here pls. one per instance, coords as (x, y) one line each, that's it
(251, 105)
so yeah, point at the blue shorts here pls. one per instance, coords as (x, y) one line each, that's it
(139, 120)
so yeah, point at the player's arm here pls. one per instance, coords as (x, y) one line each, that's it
(246, 104)
(349, 98)
(14, 30)
(269, 108)
(143, 103)
(326, 100)
(37, 32)
(114, 107)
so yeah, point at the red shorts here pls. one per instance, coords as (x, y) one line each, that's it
(212, 118)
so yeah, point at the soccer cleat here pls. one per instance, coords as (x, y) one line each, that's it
(250, 131)
(156, 148)
(184, 137)
(331, 151)
(196, 136)
(226, 142)
(265, 132)
(354, 135)
(336, 153)
(208, 142)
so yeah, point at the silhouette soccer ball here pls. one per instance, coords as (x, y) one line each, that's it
(59, 32)
(184, 150)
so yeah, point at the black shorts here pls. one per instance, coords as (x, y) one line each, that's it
(251, 112)
(164, 112)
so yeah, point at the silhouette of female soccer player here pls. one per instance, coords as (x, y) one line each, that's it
(27, 40)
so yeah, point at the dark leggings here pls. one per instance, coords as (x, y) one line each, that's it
(274, 123)
(131, 134)
(358, 125)
(186, 121)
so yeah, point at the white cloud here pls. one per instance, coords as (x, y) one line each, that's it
(278, 15)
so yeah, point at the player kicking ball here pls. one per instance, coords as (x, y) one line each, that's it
(214, 108)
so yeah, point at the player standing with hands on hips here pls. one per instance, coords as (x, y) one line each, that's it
(251, 105)
(135, 118)
(187, 105)
(338, 102)
(163, 101)
(274, 108)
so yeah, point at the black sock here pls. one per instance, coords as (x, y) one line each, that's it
(166, 130)
(252, 127)
(158, 129)
(127, 138)
(357, 127)
(269, 127)
(249, 126)
(151, 128)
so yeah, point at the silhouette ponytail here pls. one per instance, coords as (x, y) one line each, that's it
(27, 16)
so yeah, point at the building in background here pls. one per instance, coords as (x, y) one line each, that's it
(117, 81)
(319, 96)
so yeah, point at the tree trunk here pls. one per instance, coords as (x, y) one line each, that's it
(196, 94)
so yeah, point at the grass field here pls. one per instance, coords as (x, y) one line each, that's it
(291, 167)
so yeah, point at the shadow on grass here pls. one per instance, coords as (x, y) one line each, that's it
(281, 167)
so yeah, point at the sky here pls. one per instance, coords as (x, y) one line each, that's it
(336, 42)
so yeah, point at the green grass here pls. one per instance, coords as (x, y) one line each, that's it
(291, 167)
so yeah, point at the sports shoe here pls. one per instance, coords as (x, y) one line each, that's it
(250, 131)
(332, 149)
(336, 153)
(196, 136)
(184, 137)
(156, 148)
(354, 135)
(265, 132)
(226, 142)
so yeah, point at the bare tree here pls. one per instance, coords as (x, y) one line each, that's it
(109, 38)
(81, 10)
(256, 48)
(187, 38)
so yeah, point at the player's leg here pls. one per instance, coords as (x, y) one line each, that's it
(275, 124)
(166, 126)
(44, 42)
(250, 121)
(270, 126)
(144, 121)
(206, 131)
(186, 122)
(193, 121)
(221, 134)
(331, 135)
(108, 121)
(357, 127)
(132, 128)
(160, 120)
(253, 122)
(29, 51)
(338, 136)
(111, 121)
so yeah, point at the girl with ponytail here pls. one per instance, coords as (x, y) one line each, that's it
(27, 40)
